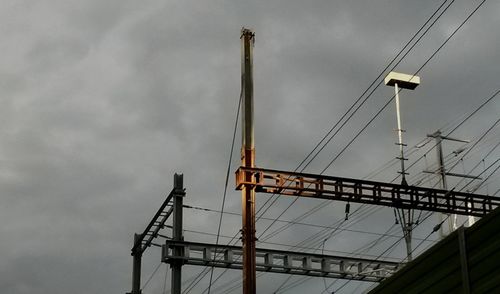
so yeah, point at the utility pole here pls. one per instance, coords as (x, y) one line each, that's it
(248, 160)
(452, 221)
(176, 265)
(442, 172)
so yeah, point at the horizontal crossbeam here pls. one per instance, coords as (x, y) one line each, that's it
(362, 191)
(278, 261)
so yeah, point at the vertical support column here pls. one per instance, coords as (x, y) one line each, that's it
(248, 160)
(177, 235)
(442, 173)
(136, 267)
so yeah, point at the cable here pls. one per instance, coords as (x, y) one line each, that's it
(280, 220)
(381, 109)
(385, 251)
(302, 247)
(472, 146)
(204, 272)
(484, 181)
(369, 246)
(436, 228)
(482, 137)
(366, 90)
(226, 183)
(151, 276)
(416, 72)
(448, 216)
(459, 125)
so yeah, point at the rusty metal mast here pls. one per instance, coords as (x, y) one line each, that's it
(248, 160)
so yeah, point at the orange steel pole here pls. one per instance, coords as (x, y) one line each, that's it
(248, 160)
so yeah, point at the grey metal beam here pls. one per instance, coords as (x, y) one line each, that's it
(280, 261)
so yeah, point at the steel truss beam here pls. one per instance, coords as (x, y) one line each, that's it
(157, 223)
(362, 191)
(278, 261)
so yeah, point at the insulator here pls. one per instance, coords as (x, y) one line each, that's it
(347, 209)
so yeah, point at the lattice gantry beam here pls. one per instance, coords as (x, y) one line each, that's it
(362, 191)
(278, 261)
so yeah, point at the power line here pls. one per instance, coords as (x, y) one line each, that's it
(436, 228)
(151, 276)
(422, 66)
(384, 106)
(359, 250)
(482, 137)
(366, 91)
(300, 247)
(426, 217)
(282, 221)
(459, 125)
(226, 182)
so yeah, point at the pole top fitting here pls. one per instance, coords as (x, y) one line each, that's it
(179, 184)
(402, 80)
(247, 33)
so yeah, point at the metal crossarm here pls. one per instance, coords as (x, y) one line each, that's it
(156, 224)
(362, 191)
(278, 261)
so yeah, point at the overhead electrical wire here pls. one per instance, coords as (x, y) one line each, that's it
(226, 181)
(387, 103)
(367, 90)
(415, 73)
(470, 115)
(359, 250)
(281, 220)
(476, 110)
(482, 137)
(436, 228)
(493, 96)
(151, 276)
(401, 51)
(351, 254)
(225, 191)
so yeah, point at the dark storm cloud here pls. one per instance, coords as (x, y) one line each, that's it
(103, 101)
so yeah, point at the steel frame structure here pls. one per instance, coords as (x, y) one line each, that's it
(362, 191)
(171, 205)
(279, 261)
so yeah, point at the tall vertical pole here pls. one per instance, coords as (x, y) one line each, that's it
(407, 223)
(400, 137)
(136, 267)
(442, 173)
(177, 235)
(248, 160)
(452, 222)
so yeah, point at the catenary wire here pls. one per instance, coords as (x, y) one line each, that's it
(380, 82)
(371, 92)
(226, 182)
(447, 39)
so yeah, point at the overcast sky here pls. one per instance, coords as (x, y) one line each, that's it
(103, 101)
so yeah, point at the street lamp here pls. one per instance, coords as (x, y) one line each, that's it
(404, 81)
